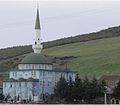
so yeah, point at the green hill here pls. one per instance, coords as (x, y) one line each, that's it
(95, 57)
(84, 54)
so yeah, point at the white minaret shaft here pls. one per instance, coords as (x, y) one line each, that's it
(37, 47)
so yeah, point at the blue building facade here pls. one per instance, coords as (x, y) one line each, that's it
(34, 88)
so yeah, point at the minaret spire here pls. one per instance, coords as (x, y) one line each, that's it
(37, 47)
(37, 23)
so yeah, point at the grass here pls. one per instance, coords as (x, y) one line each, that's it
(97, 57)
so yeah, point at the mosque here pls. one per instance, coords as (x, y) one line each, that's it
(35, 77)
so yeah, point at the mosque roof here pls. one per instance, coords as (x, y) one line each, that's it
(34, 58)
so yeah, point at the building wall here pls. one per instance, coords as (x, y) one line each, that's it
(26, 90)
(46, 81)
(40, 74)
(35, 66)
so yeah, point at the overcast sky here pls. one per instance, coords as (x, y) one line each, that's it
(59, 18)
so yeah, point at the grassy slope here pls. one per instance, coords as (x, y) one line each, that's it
(95, 57)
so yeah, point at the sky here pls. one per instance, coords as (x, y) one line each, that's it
(58, 19)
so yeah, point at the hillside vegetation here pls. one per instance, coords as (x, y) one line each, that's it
(95, 57)
(83, 53)
(107, 33)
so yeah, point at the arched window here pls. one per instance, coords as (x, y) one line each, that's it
(10, 85)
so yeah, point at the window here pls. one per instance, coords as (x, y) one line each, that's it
(55, 83)
(32, 66)
(15, 74)
(10, 85)
(19, 84)
(43, 66)
(43, 73)
(25, 84)
(49, 83)
(40, 82)
(27, 66)
(40, 73)
(32, 73)
(72, 75)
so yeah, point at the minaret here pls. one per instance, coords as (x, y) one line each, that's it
(37, 47)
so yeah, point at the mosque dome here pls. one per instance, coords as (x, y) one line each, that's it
(34, 58)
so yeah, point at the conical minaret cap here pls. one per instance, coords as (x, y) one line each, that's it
(37, 23)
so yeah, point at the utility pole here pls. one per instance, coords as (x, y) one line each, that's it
(105, 98)
(105, 95)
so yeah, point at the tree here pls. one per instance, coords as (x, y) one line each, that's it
(116, 92)
(1, 96)
(70, 91)
(86, 89)
(91, 89)
(86, 85)
(61, 89)
(78, 88)
(102, 86)
(95, 88)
